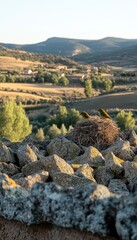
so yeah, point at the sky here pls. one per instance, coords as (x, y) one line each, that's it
(32, 21)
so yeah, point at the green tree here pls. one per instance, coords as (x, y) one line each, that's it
(3, 78)
(63, 81)
(125, 120)
(60, 117)
(14, 124)
(64, 116)
(107, 83)
(54, 79)
(73, 117)
(10, 78)
(40, 134)
(88, 88)
(54, 131)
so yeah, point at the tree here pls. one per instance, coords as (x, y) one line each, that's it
(54, 131)
(14, 124)
(40, 134)
(54, 79)
(64, 116)
(88, 88)
(3, 78)
(63, 81)
(73, 117)
(60, 117)
(125, 120)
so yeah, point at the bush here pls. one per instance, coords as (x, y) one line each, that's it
(63, 81)
(63, 130)
(125, 120)
(54, 131)
(40, 134)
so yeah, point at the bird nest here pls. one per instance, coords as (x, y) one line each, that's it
(95, 131)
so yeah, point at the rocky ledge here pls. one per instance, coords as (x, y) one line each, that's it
(71, 186)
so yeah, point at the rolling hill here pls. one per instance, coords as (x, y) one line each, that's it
(108, 50)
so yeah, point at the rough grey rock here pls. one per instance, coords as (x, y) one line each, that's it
(132, 186)
(6, 154)
(114, 164)
(91, 156)
(70, 181)
(115, 147)
(126, 152)
(118, 186)
(63, 147)
(133, 139)
(40, 154)
(85, 171)
(130, 171)
(135, 158)
(121, 149)
(25, 155)
(15, 202)
(29, 181)
(9, 168)
(18, 176)
(126, 219)
(103, 175)
(51, 164)
(92, 209)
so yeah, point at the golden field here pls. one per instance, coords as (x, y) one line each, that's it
(11, 63)
(38, 91)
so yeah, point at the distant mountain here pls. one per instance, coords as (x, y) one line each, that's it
(88, 51)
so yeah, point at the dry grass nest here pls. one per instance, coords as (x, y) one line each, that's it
(95, 131)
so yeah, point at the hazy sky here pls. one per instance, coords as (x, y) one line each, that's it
(31, 21)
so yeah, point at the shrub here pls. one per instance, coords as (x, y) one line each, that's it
(40, 134)
(54, 131)
(125, 120)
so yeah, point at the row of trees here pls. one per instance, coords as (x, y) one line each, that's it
(102, 83)
(97, 83)
(39, 78)
(56, 79)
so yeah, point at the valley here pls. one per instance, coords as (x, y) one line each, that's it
(43, 82)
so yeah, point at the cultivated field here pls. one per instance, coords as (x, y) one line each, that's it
(125, 100)
(39, 91)
(11, 63)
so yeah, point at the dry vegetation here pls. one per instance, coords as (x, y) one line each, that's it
(11, 63)
(45, 91)
(95, 131)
